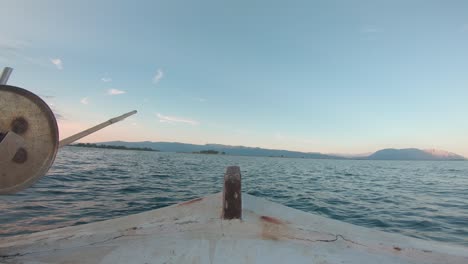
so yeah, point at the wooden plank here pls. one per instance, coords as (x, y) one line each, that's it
(232, 199)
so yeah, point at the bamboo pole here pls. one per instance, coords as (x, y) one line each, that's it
(5, 75)
(93, 129)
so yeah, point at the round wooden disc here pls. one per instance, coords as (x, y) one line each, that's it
(29, 117)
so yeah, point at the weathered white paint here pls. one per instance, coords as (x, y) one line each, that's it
(193, 232)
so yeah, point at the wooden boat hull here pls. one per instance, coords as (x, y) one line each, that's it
(193, 232)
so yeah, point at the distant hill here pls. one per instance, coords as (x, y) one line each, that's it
(414, 154)
(229, 150)
(384, 154)
(91, 145)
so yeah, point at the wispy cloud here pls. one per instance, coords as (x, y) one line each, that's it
(56, 112)
(106, 79)
(158, 76)
(84, 100)
(11, 44)
(14, 50)
(199, 99)
(174, 119)
(58, 116)
(369, 29)
(115, 92)
(58, 63)
(47, 96)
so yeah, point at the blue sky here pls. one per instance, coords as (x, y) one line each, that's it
(319, 76)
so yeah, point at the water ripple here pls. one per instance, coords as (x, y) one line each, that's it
(423, 199)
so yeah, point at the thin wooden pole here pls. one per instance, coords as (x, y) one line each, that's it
(5, 75)
(88, 131)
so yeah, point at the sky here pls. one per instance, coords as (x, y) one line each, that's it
(315, 76)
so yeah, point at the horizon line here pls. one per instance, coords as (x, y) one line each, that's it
(310, 152)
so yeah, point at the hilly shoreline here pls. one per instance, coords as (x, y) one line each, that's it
(384, 154)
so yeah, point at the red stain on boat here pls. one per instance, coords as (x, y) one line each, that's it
(191, 202)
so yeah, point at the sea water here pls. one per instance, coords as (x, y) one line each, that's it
(423, 199)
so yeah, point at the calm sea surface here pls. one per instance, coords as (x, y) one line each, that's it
(428, 200)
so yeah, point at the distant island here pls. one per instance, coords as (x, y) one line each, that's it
(384, 154)
(102, 146)
(228, 150)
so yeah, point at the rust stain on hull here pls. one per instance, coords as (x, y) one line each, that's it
(190, 202)
(272, 228)
(272, 220)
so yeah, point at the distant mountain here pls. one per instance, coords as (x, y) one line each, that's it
(384, 154)
(229, 150)
(443, 154)
(414, 154)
